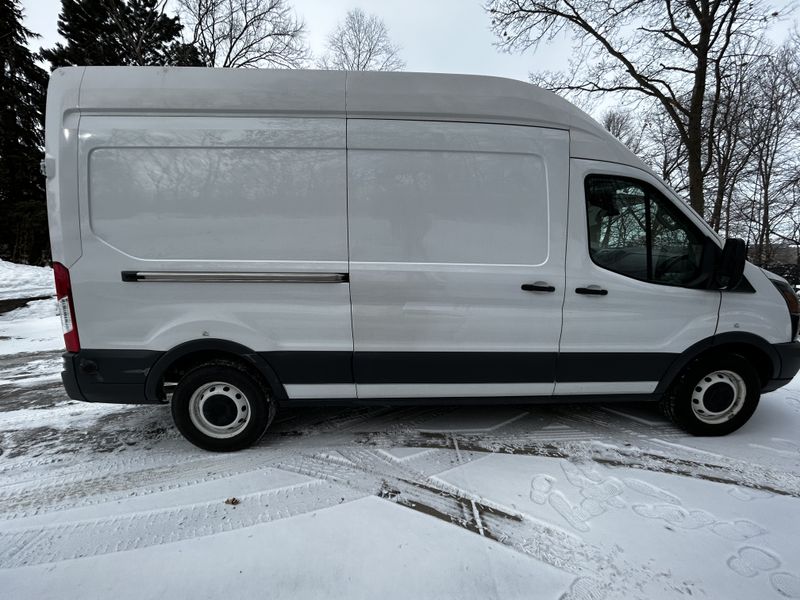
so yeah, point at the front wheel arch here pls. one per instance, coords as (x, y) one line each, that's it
(752, 347)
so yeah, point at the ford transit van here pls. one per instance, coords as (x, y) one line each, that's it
(232, 241)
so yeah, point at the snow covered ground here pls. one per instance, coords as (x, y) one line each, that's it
(570, 502)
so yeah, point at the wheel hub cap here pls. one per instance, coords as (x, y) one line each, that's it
(718, 397)
(219, 410)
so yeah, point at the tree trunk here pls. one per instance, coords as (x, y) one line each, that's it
(716, 215)
(695, 172)
(694, 128)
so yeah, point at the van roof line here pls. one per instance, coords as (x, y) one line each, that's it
(377, 95)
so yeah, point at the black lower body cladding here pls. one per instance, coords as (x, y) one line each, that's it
(790, 364)
(114, 376)
(124, 376)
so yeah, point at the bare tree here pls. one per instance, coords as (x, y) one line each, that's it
(245, 33)
(662, 149)
(730, 150)
(361, 43)
(773, 145)
(672, 51)
(623, 125)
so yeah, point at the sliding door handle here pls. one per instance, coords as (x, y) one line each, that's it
(539, 286)
(591, 291)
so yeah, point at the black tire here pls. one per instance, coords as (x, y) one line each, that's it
(704, 386)
(242, 406)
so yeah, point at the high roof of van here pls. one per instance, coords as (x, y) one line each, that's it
(396, 95)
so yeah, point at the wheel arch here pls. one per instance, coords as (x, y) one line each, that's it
(185, 355)
(755, 348)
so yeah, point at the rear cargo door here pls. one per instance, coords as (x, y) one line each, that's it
(456, 234)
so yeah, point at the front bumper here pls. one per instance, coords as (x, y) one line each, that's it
(789, 355)
(115, 376)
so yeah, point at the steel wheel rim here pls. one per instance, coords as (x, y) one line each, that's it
(706, 405)
(219, 410)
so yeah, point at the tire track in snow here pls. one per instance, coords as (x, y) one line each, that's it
(28, 500)
(373, 472)
(138, 530)
(724, 470)
(63, 469)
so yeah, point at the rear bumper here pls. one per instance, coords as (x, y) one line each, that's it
(115, 376)
(789, 355)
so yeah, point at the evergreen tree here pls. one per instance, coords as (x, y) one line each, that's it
(23, 209)
(119, 32)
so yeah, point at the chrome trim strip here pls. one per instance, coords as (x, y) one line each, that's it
(232, 277)
(577, 388)
(323, 391)
(451, 390)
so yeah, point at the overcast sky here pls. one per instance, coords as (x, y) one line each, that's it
(450, 36)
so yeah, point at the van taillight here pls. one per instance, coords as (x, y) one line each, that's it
(66, 308)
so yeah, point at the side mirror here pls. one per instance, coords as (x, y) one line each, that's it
(730, 268)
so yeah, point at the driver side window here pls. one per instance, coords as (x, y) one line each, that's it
(635, 231)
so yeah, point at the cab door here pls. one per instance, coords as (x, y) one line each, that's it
(456, 257)
(633, 266)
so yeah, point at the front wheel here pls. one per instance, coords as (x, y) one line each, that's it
(714, 395)
(222, 408)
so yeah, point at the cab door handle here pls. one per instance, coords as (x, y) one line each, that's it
(539, 286)
(591, 291)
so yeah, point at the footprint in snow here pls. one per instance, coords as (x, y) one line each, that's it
(607, 491)
(541, 486)
(786, 584)
(648, 489)
(595, 487)
(748, 494)
(739, 530)
(675, 515)
(580, 477)
(574, 515)
(750, 561)
(583, 588)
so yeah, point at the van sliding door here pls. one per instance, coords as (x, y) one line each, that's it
(456, 234)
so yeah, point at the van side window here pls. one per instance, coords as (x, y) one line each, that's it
(635, 231)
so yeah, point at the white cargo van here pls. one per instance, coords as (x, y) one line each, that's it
(231, 241)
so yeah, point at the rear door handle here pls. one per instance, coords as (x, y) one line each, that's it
(539, 286)
(591, 291)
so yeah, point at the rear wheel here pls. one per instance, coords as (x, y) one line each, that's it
(221, 407)
(714, 395)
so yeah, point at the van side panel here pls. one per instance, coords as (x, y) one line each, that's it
(61, 155)
(447, 222)
(217, 189)
(227, 228)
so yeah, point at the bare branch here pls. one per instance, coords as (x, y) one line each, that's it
(361, 43)
(675, 52)
(246, 33)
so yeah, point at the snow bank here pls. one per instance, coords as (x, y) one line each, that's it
(33, 328)
(25, 281)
